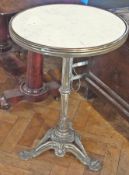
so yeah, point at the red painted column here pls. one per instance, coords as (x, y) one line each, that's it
(33, 87)
(34, 76)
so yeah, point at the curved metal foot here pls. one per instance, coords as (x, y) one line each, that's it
(92, 164)
(25, 155)
(95, 165)
(43, 145)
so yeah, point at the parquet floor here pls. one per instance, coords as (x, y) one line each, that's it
(104, 133)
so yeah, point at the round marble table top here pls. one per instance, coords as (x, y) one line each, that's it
(73, 29)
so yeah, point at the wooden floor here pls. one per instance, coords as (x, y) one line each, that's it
(105, 135)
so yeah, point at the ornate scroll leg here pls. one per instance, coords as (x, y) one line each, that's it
(42, 146)
(79, 151)
(92, 164)
(25, 155)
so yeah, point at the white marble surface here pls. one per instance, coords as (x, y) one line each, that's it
(68, 26)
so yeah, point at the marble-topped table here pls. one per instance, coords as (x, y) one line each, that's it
(69, 31)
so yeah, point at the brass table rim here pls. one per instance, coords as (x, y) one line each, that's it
(66, 52)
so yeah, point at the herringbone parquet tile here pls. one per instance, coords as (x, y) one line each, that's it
(98, 124)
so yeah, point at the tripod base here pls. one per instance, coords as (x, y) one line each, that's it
(62, 142)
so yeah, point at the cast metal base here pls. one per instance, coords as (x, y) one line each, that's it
(62, 142)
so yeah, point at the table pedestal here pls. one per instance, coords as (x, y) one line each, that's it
(63, 138)
(33, 88)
